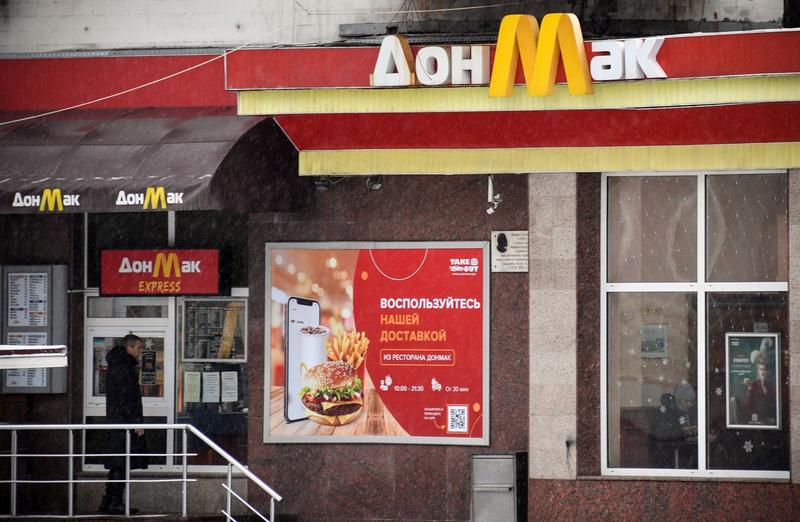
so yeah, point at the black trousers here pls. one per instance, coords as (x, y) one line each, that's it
(114, 490)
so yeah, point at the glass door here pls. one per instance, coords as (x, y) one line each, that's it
(108, 321)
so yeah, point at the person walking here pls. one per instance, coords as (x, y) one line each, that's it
(123, 406)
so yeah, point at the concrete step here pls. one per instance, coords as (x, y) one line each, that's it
(205, 498)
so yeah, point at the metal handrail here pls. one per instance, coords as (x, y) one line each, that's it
(185, 428)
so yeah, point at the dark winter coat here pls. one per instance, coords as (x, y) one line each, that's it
(123, 406)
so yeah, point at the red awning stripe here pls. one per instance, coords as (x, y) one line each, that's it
(750, 123)
(681, 56)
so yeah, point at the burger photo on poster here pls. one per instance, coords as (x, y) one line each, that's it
(332, 393)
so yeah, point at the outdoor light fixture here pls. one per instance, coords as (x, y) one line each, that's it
(323, 183)
(374, 182)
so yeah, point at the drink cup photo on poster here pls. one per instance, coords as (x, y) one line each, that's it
(753, 380)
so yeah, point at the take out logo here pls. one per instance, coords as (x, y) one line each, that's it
(164, 265)
(464, 266)
(49, 200)
(151, 198)
(520, 39)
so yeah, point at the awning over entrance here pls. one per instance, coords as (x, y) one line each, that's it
(153, 159)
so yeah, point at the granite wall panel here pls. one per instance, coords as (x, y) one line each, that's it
(387, 481)
(588, 322)
(661, 500)
(794, 323)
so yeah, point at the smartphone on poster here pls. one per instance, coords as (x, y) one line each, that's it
(300, 312)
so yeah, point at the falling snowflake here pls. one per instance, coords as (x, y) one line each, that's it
(748, 446)
(148, 343)
(632, 351)
(682, 420)
(716, 370)
(619, 384)
(665, 361)
(688, 364)
(718, 391)
(663, 409)
(649, 400)
(661, 378)
(641, 379)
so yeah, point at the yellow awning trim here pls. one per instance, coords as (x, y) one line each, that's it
(611, 95)
(553, 159)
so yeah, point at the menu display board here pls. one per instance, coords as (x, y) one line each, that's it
(392, 345)
(214, 329)
(27, 299)
(27, 377)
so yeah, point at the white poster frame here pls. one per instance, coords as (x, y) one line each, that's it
(380, 439)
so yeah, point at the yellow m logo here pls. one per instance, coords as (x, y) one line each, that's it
(166, 264)
(154, 195)
(51, 199)
(520, 39)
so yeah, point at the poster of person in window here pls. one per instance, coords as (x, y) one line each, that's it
(753, 375)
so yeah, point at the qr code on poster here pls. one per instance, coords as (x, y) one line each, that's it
(456, 418)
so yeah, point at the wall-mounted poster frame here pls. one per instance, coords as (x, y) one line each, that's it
(752, 378)
(213, 329)
(418, 313)
(654, 340)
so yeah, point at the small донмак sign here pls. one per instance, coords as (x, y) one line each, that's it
(159, 272)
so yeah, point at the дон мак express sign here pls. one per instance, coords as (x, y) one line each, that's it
(159, 272)
(383, 342)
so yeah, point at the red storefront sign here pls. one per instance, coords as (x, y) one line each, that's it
(159, 272)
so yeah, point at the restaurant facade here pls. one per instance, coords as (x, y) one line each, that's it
(579, 255)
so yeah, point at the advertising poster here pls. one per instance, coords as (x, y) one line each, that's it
(753, 373)
(383, 342)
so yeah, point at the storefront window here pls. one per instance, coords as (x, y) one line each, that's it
(695, 325)
(127, 307)
(744, 417)
(747, 228)
(211, 389)
(652, 229)
(652, 394)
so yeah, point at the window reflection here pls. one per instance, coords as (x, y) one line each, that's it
(748, 230)
(652, 229)
(652, 383)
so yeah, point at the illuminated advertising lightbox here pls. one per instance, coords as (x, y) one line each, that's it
(159, 272)
(377, 342)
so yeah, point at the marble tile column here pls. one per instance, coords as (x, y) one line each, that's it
(794, 324)
(552, 254)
